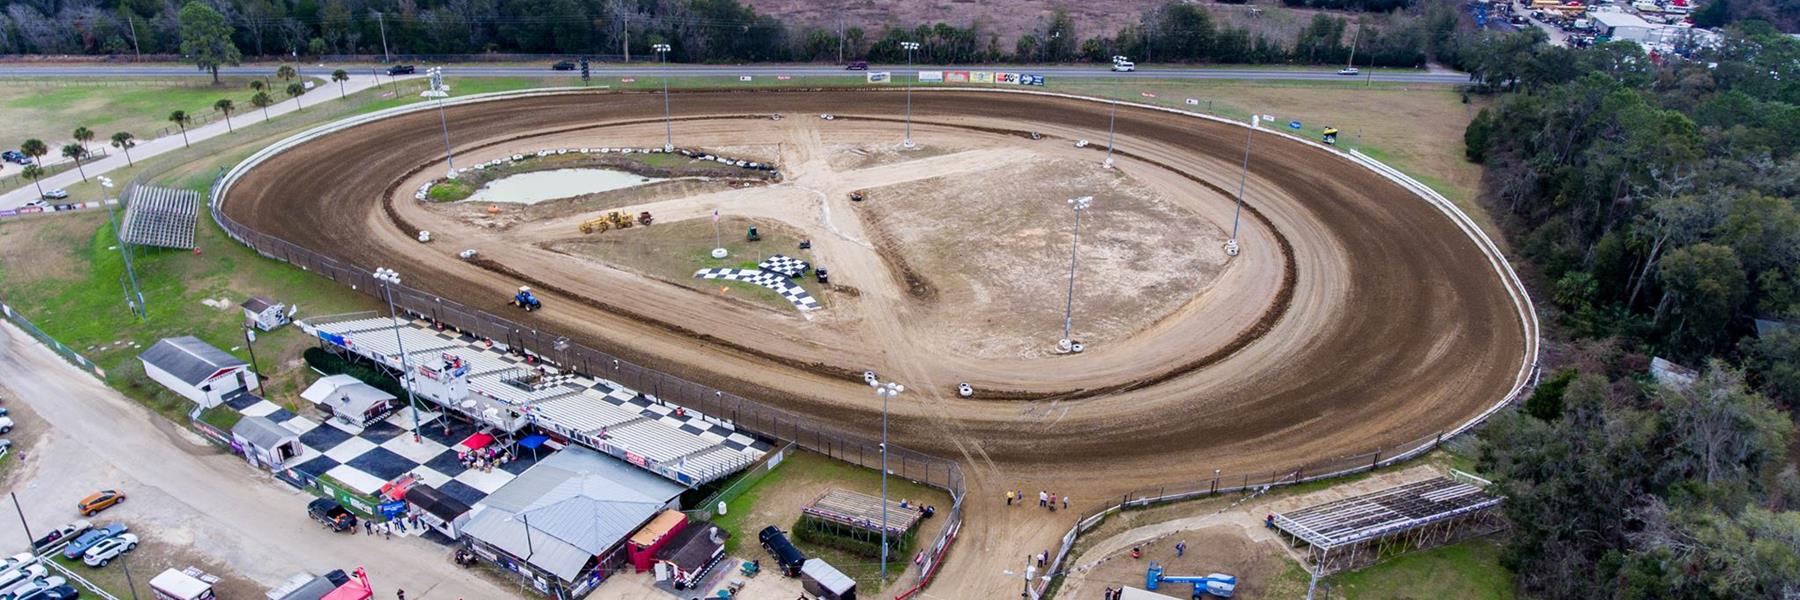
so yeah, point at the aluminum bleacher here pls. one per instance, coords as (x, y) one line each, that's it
(679, 444)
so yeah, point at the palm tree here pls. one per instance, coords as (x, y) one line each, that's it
(263, 101)
(34, 173)
(286, 73)
(75, 152)
(224, 105)
(123, 141)
(34, 148)
(84, 135)
(180, 118)
(340, 76)
(256, 85)
(295, 90)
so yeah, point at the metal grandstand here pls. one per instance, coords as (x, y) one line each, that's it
(1348, 533)
(160, 217)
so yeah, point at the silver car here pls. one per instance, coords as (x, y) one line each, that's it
(109, 549)
(20, 579)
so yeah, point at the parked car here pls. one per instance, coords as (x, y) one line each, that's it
(1124, 66)
(19, 579)
(6, 424)
(1348, 71)
(18, 560)
(5, 447)
(36, 588)
(563, 65)
(401, 70)
(109, 549)
(99, 501)
(94, 536)
(56, 194)
(58, 592)
(332, 515)
(15, 156)
(64, 532)
(857, 65)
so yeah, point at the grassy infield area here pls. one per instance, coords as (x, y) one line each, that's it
(64, 273)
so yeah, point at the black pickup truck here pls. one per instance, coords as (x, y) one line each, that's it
(332, 515)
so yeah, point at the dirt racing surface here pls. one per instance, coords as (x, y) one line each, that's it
(1357, 317)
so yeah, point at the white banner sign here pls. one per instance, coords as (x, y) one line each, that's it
(880, 76)
(931, 76)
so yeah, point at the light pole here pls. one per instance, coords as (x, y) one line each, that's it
(1112, 122)
(1080, 205)
(662, 57)
(1231, 245)
(439, 91)
(135, 297)
(389, 279)
(887, 391)
(910, 47)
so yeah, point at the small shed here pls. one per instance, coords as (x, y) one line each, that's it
(176, 585)
(825, 581)
(266, 443)
(690, 555)
(437, 509)
(641, 549)
(349, 400)
(198, 371)
(265, 313)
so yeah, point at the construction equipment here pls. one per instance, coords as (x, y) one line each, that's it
(593, 225)
(752, 235)
(1217, 584)
(526, 300)
(856, 196)
(1331, 135)
(613, 220)
(644, 218)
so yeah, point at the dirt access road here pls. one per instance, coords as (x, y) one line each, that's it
(190, 493)
(1398, 326)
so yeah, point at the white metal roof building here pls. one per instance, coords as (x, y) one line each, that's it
(567, 517)
(1624, 26)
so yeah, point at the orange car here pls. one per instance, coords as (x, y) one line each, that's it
(99, 501)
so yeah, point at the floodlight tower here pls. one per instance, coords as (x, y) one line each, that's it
(887, 391)
(662, 56)
(1080, 205)
(910, 47)
(389, 278)
(1231, 245)
(439, 91)
(135, 297)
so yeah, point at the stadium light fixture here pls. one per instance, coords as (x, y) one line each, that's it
(439, 90)
(887, 391)
(662, 56)
(389, 278)
(1080, 205)
(909, 47)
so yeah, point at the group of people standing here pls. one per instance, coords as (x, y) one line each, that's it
(1046, 499)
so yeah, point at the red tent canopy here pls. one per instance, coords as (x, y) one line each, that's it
(476, 441)
(353, 590)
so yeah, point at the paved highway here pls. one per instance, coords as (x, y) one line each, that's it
(604, 71)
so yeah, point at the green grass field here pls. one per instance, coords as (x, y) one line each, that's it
(51, 109)
(1469, 570)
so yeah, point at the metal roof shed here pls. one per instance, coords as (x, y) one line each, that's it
(825, 581)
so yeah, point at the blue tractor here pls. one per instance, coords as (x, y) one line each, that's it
(1217, 585)
(524, 299)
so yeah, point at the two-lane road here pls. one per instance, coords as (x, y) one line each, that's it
(610, 70)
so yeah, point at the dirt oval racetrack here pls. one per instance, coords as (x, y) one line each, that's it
(1399, 326)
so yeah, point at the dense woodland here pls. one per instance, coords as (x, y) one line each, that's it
(706, 31)
(1655, 204)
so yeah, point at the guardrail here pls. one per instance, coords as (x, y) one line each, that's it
(747, 414)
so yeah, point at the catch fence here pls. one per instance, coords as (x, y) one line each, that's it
(744, 413)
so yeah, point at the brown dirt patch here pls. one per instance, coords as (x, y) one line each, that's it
(1213, 549)
(995, 256)
(845, 157)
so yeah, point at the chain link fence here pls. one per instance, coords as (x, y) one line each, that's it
(68, 354)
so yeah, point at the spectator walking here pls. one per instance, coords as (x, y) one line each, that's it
(1180, 548)
(1065, 502)
(401, 594)
(1009, 497)
(1043, 498)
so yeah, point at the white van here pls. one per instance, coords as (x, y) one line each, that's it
(1124, 66)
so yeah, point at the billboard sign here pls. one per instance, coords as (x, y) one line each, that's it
(981, 76)
(1006, 78)
(880, 76)
(956, 76)
(931, 76)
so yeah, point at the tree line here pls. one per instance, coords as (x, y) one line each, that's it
(698, 30)
(1654, 204)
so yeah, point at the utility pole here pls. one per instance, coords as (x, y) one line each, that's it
(137, 52)
(662, 53)
(910, 47)
(21, 511)
(1231, 245)
(1112, 121)
(136, 297)
(887, 391)
(1080, 205)
(385, 57)
(840, 41)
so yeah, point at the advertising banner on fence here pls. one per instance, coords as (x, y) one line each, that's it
(1031, 80)
(956, 76)
(931, 76)
(1006, 78)
(981, 76)
(880, 76)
